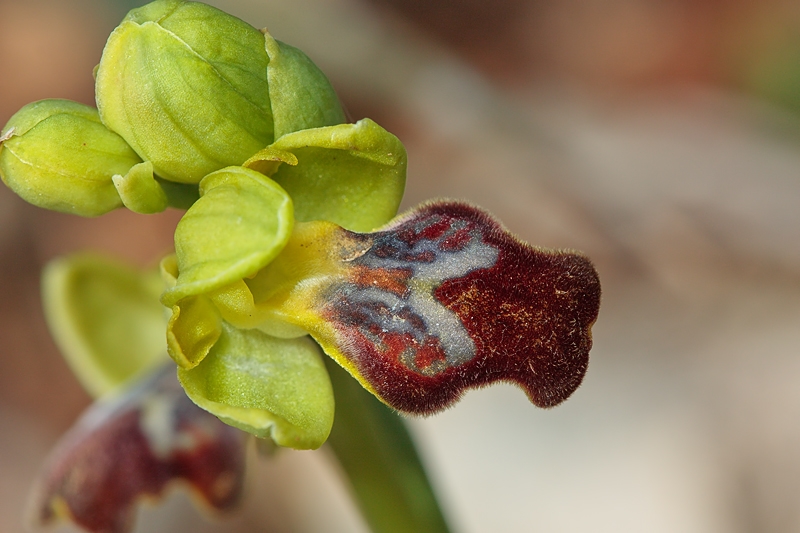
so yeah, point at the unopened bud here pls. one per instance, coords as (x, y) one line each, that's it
(185, 84)
(58, 155)
(194, 90)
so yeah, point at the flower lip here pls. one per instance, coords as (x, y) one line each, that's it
(481, 306)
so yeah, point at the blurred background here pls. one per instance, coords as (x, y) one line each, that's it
(661, 138)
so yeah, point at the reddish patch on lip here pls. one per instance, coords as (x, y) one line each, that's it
(394, 281)
(456, 241)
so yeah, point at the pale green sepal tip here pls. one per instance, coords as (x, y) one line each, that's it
(272, 388)
(350, 174)
(32, 114)
(139, 190)
(301, 95)
(58, 155)
(240, 223)
(105, 317)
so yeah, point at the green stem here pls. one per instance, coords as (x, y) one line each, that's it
(378, 456)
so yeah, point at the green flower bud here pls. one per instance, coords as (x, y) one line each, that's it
(190, 88)
(185, 84)
(58, 155)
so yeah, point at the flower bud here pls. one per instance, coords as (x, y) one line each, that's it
(194, 90)
(185, 84)
(58, 155)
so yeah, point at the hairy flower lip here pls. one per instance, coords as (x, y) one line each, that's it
(547, 299)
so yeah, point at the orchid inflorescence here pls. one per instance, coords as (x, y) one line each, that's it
(288, 251)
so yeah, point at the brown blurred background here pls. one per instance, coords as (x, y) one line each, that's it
(662, 138)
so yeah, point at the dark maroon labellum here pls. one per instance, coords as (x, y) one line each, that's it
(446, 299)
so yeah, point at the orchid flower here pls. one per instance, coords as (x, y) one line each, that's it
(289, 266)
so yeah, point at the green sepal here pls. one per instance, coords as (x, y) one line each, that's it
(58, 155)
(272, 388)
(186, 85)
(301, 95)
(105, 317)
(139, 190)
(240, 223)
(193, 329)
(350, 174)
(378, 456)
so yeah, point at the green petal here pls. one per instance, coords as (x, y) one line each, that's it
(301, 95)
(350, 174)
(378, 456)
(139, 190)
(269, 387)
(241, 222)
(105, 318)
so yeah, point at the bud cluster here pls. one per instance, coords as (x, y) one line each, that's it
(182, 90)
